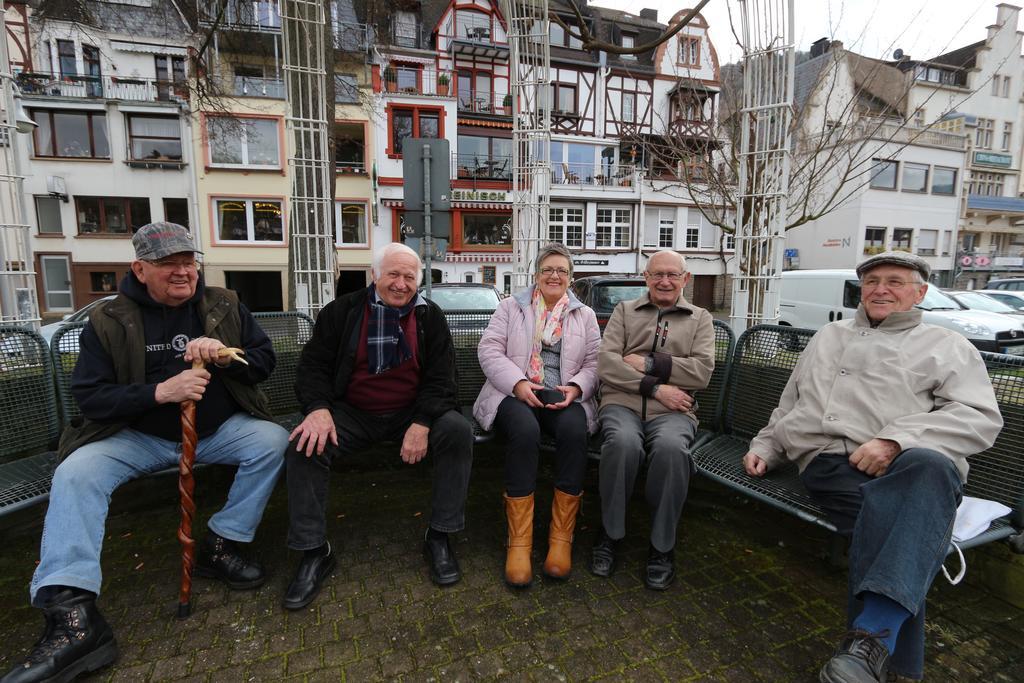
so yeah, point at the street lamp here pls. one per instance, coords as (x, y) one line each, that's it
(22, 121)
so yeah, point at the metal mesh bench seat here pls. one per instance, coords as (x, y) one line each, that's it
(29, 419)
(764, 358)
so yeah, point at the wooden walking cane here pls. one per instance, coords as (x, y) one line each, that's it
(186, 487)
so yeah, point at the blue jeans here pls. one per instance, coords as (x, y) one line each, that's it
(900, 524)
(83, 483)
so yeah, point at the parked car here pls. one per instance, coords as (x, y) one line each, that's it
(1011, 298)
(1014, 284)
(977, 301)
(469, 297)
(464, 296)
(812, 298)
(604, 292)
(79, 316)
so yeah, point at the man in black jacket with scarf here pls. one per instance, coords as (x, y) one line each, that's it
(380, 366)
(134, 369)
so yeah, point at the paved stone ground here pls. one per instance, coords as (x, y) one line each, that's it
(754, 599)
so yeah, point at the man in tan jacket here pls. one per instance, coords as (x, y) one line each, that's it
(880, 415)
(656, 351)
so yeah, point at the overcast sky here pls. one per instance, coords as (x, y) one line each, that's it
(921, 28)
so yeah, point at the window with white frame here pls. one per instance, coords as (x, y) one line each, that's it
(612, 227)
(565, 225)
(997, 81)
(927, 242)
(730, 240)
(628, 41)
(1006, 86)
(1007, 135)
(257, 221)
(629, 107)
(243, 142)
(986, 184)
(693, 230)
(659, 227)
(983, 135)
(947, 241)
(350, 224)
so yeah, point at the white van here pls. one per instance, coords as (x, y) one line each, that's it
(812, 298)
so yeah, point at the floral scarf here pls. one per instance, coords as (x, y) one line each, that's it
(547, 329)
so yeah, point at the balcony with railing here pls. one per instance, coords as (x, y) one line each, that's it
(473, 35)
(484, 102)
(604, 175)
(351, 37)
(254, 86)
(259, 16)
(481, 166)
(417, 80)
(78, 86)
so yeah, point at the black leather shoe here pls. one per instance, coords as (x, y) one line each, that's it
(861, 658)
(309, 577)
(444, 568)
(77, 639)
(660, 570)
(219, 559)
(602, 555)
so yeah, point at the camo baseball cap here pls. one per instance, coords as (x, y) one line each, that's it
(157, 240)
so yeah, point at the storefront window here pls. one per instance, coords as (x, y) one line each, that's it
(487, 229)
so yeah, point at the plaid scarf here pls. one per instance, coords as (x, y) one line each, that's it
(385, 339)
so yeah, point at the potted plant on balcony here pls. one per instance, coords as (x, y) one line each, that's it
(442, 84)
(390, 78)
(507, 105)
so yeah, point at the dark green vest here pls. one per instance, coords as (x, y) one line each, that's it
(118, 325)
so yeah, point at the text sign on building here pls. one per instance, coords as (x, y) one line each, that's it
(993, 159)
(481, 196)
(590, 262)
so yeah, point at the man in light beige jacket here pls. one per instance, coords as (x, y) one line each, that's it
(656, 351)
(880, 415)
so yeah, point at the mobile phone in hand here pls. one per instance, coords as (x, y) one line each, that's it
(548, 396)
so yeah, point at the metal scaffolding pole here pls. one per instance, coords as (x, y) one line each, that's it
(18, 303)
(762, 199)
(311, 256)
(530, 68)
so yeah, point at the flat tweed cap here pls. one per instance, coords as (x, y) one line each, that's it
(895, 258)
(157, 240)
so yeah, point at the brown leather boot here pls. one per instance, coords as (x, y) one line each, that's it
(519, 512)
(563, 520)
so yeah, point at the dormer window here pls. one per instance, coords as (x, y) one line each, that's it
(628, 41)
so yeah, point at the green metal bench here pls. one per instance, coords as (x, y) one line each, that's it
(29, 419)
(762, 363)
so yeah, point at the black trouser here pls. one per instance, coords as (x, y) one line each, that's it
(521, 427)
(450, 447)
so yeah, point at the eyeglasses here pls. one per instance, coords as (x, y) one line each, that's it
(174, 264)
(548, 271)
(890, 283)
(674, 277)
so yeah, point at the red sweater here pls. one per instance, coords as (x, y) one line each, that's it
(393, 390)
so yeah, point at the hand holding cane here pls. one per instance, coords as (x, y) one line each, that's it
(186, 487)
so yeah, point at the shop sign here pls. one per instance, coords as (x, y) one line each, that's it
(480, 196)
(993, 159)
(590, 262)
